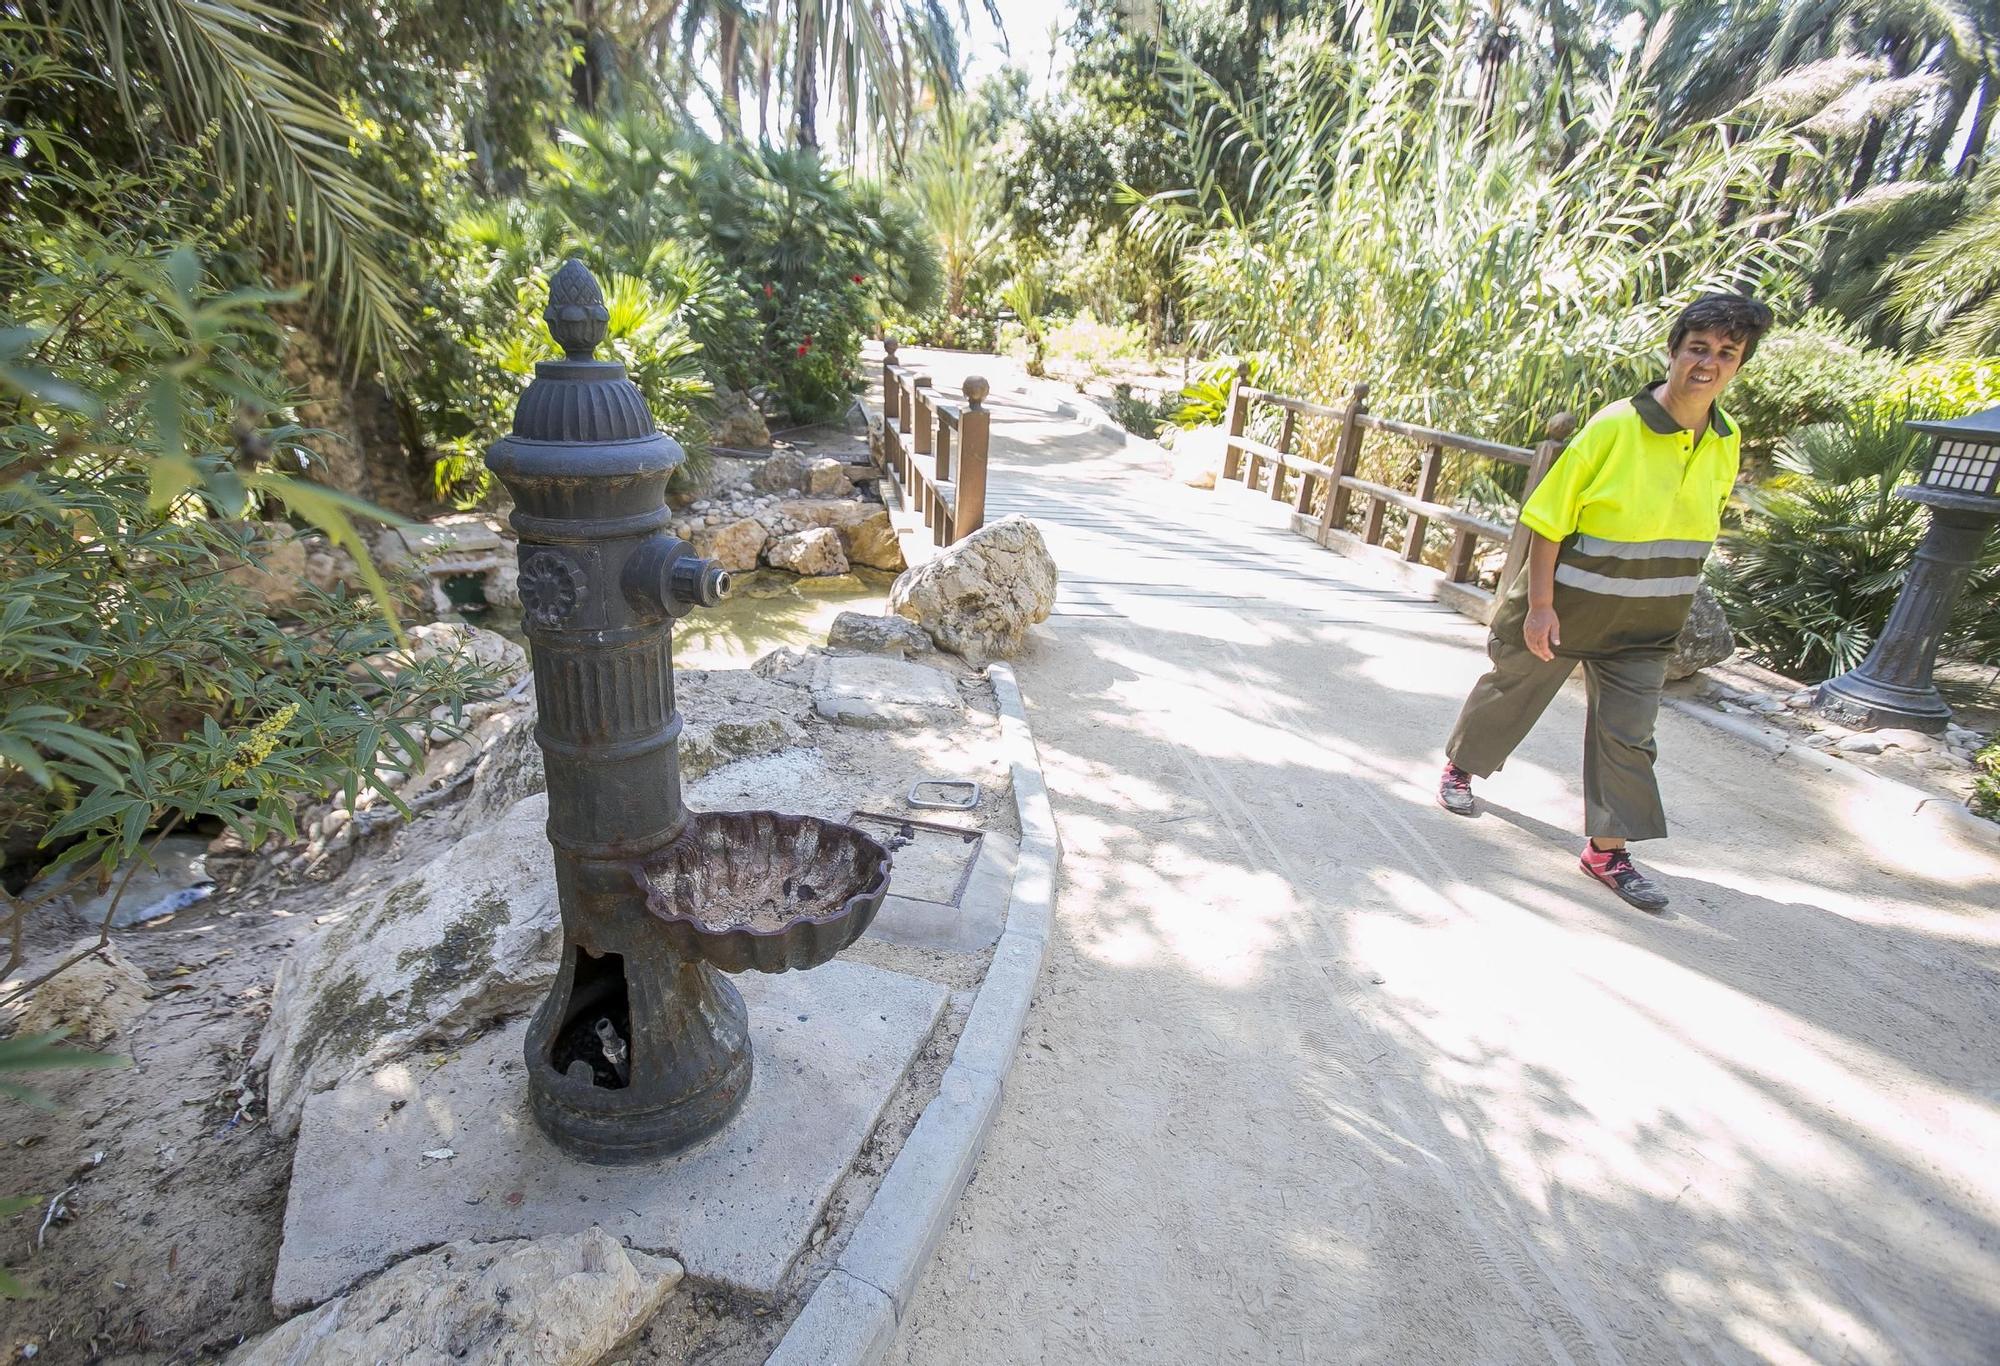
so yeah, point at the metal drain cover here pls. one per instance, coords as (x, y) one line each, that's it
(932, 862)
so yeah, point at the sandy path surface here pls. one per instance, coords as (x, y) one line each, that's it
(1320, 1073)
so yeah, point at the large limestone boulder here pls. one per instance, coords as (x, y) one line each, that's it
(866, 534)
(828, 478)
(1197, 456)
(811, 553)
(780, 472)
(470, 939)
(736, 546)
(731, 714)
(739, 422)
(509, 772)
(1705, 640)
(529, 1302)
(93, 1000)
(883, 635)
(978, 597)
(454, 640)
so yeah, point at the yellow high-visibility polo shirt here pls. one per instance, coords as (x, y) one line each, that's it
(1636, 505)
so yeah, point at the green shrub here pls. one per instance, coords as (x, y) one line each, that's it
(1945, 388)
(1818, 370)
(1809, 579)
(1083, 343)
(1986, 787)
(1204, 401)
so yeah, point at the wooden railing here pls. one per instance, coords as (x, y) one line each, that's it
(1324, 494)
(936, 450)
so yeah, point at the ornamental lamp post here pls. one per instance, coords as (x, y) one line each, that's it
(1892, 687)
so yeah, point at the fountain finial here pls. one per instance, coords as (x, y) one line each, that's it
(576, 314)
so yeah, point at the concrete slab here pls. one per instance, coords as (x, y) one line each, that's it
(414, 1156)
(973, 923)
(879, 693)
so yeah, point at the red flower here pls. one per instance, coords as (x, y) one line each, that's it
(805, 348)
(767, 289)
(809, 339)
(857, 279)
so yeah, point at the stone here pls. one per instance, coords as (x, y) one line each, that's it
(1197, 456)
(502, 587)
(830, 1047)
(780, 472)
(509, 771)
(470, 939)
(828, 478)
(565, 1301)
(329, 567)
(274, 569)
(1861, 742)
(883, 635)
(468, 644)
(93, 1000)
(1913, 740)
(876, 693)
(731, 714)
(462, 536)
(809, 552)
(1705, 640)
(866, 533)
(736, 545)
(978, 596)
(739, 422)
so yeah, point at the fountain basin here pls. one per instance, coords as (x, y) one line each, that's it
(764, 891)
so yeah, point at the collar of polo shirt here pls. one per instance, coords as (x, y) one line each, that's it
(1654, 414)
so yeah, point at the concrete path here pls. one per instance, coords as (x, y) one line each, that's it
(1320, 1073)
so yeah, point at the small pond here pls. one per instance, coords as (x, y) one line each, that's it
(765, 610)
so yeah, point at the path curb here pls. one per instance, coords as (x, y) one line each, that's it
(1889, 790)
(853, 1315)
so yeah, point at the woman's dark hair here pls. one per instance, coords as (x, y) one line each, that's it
(1736, 316)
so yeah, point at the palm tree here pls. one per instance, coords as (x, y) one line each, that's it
(278, 150)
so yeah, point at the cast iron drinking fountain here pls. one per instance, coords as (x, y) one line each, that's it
(642, 1047)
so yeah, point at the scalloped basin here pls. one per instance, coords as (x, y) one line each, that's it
(764, 891)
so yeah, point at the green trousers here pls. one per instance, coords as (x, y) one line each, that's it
(1620, 795)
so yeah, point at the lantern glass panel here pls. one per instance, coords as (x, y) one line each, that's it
(1965, 466)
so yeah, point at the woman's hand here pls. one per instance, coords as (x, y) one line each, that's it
(1542, 632)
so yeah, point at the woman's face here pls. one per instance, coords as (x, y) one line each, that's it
(1704, 363)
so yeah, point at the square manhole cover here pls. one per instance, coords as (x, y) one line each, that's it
(932, 862)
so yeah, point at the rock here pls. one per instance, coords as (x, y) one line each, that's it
(1197, 456)
(788, 666)
(779, 473)
(883, 635)
(93, 1000)
(470, 644)
(503, 583)
(1861, 742)
(449, 540)
(879, 694)
(866, 534)
(739, 422)
(565, 1301)
(1769, 706)
(274, 569)
(736, 545)
(330, 566)
(979, 596)
(1820, 740)
(809, 552)
(509, 772)
(828, 478)
(470, 939)
(1705, 640)
(1913, 740)
(730, 714)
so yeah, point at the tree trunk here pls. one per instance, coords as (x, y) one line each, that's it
(805, 74)
(729, 40)
(1982, 124)
(1954, 113)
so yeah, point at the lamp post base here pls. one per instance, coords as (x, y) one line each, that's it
(1860, 702)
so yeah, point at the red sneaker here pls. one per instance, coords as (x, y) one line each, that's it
(1613, 868)
(1455, 790)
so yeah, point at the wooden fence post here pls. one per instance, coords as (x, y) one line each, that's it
(974, 426)
(1559, 428)
(1239, 420)
(1427, 487)
(1346, 457)
(891, 391)
(920, 427)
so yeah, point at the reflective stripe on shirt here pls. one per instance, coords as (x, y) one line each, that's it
(1677, 587)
